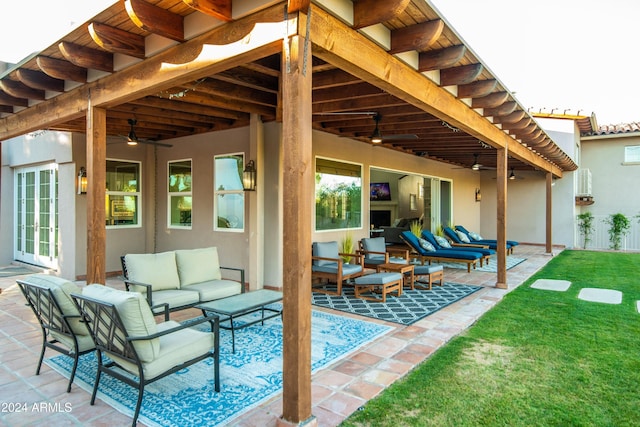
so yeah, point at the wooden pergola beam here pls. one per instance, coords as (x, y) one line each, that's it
(115, 40)
(441, 58)
(220, 9)
(86, 57)
(154, 19)
(371, 12)
(63, 70)
(416, 37)
(19, 90)
(335, 43)
(39, 80)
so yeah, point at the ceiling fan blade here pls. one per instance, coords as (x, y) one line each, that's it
(406, 136)
(150, 142)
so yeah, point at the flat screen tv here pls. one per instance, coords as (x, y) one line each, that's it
(379, 191)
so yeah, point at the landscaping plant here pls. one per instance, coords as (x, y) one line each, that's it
(416, 228)
(619, 226)
(346, 246)
(585, 225)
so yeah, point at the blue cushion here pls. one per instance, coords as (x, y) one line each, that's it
(442, 242)
(455, 254)
(419, 270)
(412, 240)
(378, 278)
(325, 250)
(332, 267)
(426, 245)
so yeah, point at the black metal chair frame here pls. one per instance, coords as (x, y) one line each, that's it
(51, 318)
(111, 338)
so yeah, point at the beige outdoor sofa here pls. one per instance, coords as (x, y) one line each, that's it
(179, 279)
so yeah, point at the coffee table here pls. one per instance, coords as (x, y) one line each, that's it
(398, 268)
(241, 305)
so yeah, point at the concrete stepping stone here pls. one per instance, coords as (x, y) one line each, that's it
(551, 285)
(638, 306)
(607, 296)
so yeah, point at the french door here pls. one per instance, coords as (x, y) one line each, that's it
(36, 215)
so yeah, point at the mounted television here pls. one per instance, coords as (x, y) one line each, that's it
(379, 191)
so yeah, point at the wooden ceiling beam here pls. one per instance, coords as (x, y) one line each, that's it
(418, 37)
(63, 70)
(333, 78)
(461, 75)
(168, 105)
(371, 12)
(298, 5)
(441, 58)
(115, 40)
(39, 80)
(361, 90)
(155, 19)
(231, 91)
(11, 101)
(219, 9)
(6, 109)
(492, 100)
(502, 110)
(86, 57)
(477, 89)
(19, 90)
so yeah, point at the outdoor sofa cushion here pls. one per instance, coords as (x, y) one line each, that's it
(325, 250)
(197, 265)
(158, 270)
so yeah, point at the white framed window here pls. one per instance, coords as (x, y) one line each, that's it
(123, 193)
(632, 154)
(179, 193)
(228, 203)
(338, 195)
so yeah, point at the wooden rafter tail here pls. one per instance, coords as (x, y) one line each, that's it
(371, 12)
(418, 37)
(155, 20)
(441, 58)
(460, 75)
(220, 9)
(63, 70)
(86, 57)
(477, 89)
(115, 40)
(490, 101)
(19, 90)
(39, 80)
(503, 110)
(8, 100)
(298, 6)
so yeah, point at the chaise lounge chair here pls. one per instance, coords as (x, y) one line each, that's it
(441, 243)
(493, 244)
(468, 257)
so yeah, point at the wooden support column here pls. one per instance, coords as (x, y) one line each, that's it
(297, 207)
(501, 216)
(96, 184)
(549, 222)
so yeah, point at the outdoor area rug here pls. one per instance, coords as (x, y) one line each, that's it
(491, 268)
(247, 378)
(410, 307)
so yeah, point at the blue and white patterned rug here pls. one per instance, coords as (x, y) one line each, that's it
(247, 378)
(407, 309)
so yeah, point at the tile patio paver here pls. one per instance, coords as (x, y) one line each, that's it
(337, 390)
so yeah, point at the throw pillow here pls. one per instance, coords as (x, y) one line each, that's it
(426, 245)
(442, 241)
(463, 237)
(475, 236)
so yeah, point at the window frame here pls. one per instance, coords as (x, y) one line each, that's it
(137, 194)
(315, 192)
(221, 193)
(628, 158)
(172, 194)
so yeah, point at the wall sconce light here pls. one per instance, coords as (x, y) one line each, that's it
(82, 181)
(478, 195)
(249, 176)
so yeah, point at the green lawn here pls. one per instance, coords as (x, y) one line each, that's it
(539, 358)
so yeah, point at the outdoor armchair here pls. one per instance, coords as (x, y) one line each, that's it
(62, 330)
(327, 263)
(125, 331)
(376, 252)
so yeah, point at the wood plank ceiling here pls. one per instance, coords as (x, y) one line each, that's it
(342, 104)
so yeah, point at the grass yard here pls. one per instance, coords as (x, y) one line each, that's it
(539, 358)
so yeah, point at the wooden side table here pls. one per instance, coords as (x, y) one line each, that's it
(399, 268)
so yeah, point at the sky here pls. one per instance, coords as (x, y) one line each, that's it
(573, 55)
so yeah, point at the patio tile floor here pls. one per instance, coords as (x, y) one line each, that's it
(337, 391)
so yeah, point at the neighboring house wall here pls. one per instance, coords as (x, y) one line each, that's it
(614, 185)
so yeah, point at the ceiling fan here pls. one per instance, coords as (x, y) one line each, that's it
(132, 138)
(377, 137)
(476, 166)
(512, 176)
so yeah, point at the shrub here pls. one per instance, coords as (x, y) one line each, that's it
(416, 228)
(585, 225)
(619, 226)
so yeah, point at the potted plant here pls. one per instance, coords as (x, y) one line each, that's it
(416, 228)
(346, 247)
(585, 225)
(619, 226)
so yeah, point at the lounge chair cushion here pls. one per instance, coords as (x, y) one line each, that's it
(198, 265)
(62, 290)
(442, 242)
(325, 250)
(135, 314)
(158, 270)
(332, 267)
(426, 245)
(463, 237)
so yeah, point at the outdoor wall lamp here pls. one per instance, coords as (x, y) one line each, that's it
(249, 176)
(82, 181)
(478, 195)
